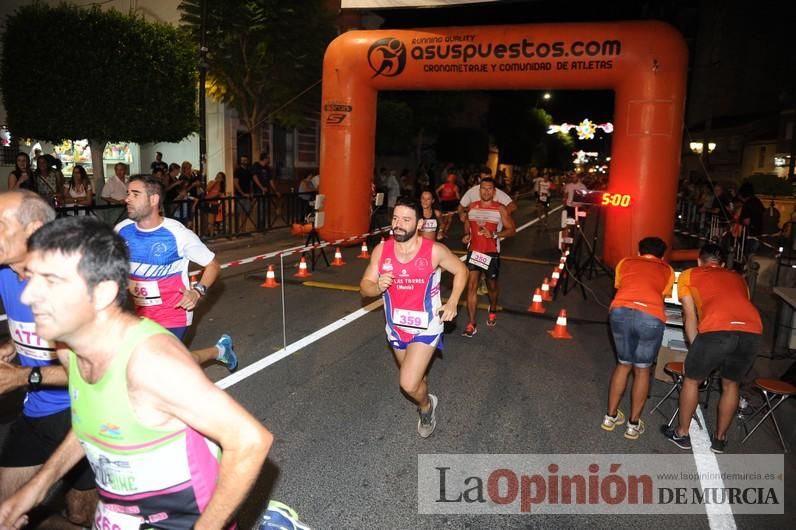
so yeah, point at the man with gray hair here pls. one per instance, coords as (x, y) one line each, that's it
(45, 418)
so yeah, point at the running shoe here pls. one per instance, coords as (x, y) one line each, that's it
(226, 354)
(469, 331)
(492, 319)
(718, 446)
(280, 516)
(428, 420)
(634, 430)
(683, 442)
(610, 422)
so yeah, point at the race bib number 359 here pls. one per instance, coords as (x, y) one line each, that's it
(410, 319)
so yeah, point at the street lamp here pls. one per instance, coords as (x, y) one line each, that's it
(699, 147)
(546, 96)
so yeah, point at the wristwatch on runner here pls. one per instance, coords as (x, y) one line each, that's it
(34, 378)
(201, 289)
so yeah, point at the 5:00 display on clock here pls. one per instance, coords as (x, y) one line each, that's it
(615, 199)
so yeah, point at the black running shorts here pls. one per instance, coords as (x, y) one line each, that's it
(30, 442)
(732, 353)
(492, 271)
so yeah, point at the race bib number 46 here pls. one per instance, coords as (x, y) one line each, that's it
(145, 293)
(480, 259)
(410, 319)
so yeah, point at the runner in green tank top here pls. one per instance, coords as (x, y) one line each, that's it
(134, 390)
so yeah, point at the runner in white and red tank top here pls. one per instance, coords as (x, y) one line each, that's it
(487, 222)
(405, 270)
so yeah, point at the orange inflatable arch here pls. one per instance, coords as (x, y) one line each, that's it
(644, 63)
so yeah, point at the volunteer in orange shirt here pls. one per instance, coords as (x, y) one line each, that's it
(637, 322)
(724, 330)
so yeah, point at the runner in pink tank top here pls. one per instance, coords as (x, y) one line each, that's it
(405, 270)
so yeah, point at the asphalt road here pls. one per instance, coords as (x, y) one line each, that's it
(346, 450)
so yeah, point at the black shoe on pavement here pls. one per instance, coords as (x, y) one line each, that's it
(718, 446)
(683, 442)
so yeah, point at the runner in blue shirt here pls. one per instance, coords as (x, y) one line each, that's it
(45, 419)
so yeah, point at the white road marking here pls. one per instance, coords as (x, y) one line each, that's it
(534, 221)
(278, 355)
(719, 515)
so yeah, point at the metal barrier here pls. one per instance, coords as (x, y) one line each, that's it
(692, 222)
(210, 218)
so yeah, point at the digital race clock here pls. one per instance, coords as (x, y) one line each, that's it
(600, 198)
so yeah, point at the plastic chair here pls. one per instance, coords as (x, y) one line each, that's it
(775, 392)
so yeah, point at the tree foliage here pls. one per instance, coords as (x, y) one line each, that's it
(72, 73)
(518, 127)
(407, 121)
(394, 128)
(464, 122)
(558, 151)
(262, 53)
(463, 145)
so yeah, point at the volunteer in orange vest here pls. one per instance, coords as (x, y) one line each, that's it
(724, 329)
(637, 323)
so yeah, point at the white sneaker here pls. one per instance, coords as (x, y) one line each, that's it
(428, 420)
(632, 432)
(609, 423)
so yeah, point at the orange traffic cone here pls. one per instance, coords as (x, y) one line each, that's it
(303, 272)
(338, 258)
(562, 265)
(363, 253)
(536, 303)
(560, 330)
(554, 278)
(546, 296)
(270, 279)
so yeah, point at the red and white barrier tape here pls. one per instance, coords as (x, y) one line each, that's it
(295, 250)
